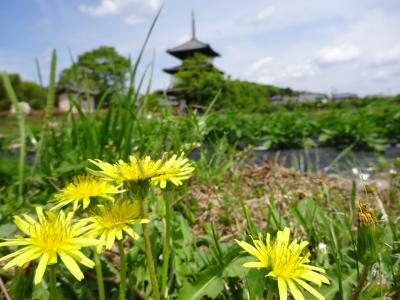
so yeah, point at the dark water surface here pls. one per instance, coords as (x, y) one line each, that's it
(333, 161)
(327, 160)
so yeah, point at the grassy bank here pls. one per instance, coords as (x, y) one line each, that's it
(370, 127)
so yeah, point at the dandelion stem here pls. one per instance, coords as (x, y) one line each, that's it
(53, 282)
(122, 272)
(270, 295)
(270, 290)
(149, 255)
(166, 245)
(361, 283)
(99, 275)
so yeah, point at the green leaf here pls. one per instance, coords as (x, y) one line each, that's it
(256, 284)
(235, 268)
(7, 230)
(209, 283)
(22, 285)
(349, 280)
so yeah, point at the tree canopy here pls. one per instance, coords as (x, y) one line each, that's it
(100, 69)
(27, 91)
(197, 80)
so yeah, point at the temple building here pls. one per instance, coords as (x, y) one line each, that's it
(187, 50)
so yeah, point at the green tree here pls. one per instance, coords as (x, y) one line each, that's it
(101, 69)
(33, 93)
(15, 80)
(247, 96)
(198, 81)
(27, 91)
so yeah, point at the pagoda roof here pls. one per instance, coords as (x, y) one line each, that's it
(190, 47)
(174, 70)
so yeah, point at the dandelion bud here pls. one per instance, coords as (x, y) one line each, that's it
(367, 238)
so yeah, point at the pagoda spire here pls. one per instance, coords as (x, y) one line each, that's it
(193, 26)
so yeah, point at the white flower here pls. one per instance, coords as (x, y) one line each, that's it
(364, 176)
(322, 247)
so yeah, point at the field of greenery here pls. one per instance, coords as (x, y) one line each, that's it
(106, 205)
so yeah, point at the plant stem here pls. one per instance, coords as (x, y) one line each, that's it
(53, 282)
(166, 245)
(361, 283)
(270, 290)
(48, 111)
(4, 290)
(99, 275)
(270, 295)
(149, 255)
(122, 272)
(22, 136)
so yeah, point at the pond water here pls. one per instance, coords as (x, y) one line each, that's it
(327, 160)
(333, 161)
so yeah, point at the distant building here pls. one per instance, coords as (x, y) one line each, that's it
(303, 97)
(343, 96)
(66, 94)
(278, 99)
(311, 97)
(187, 50)
(24, 106)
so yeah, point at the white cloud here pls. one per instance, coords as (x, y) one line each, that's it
(387, 57)
(298, 72)
(265, 15)
(132, 20)
(338, 54)
(260, 65)
(269, 70)
(132, 11)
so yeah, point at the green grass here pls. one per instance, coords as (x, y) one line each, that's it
(9, 124)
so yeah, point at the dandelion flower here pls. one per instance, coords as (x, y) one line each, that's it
(259, 250)
(112, 220)
(176, 169)
(135, 170)
(286, 265)
(291, 270)
(139, 169)
(107, 171)
(82, 188)
(50, 237)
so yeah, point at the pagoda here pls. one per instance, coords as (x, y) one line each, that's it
(189, 48)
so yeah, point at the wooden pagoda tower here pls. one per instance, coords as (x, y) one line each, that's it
(181, 52)
(189, 48)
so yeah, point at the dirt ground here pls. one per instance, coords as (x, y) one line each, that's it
(258, 185)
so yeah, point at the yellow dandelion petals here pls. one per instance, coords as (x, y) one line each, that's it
(286, 264)
(259, 250)
(82, 188)
(107, 171)
(175, 169)
(135, 170)
(112, 220)
(50, 237)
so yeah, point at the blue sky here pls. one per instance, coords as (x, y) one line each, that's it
(322, 46)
